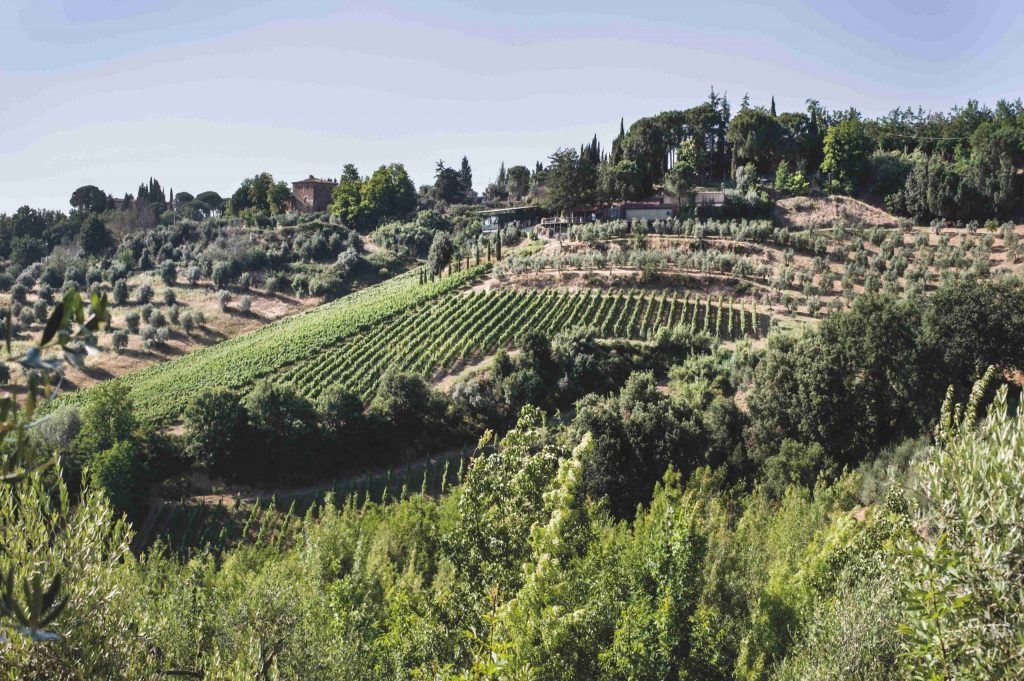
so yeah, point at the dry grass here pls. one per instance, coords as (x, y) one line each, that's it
(806, 212)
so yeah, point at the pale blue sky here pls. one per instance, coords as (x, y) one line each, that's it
(202, 94)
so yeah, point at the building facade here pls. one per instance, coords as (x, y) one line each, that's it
(312, 195)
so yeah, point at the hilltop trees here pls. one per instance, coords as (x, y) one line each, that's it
(645, 146)
(211, 201)
(456, 186)
(346, 198)
(448, 184)
(388, 194)
(89, 198)
(756, 137)
(847, 148)
(518, 183)
(571, 181)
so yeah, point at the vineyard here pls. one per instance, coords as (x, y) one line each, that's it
(161, 392)
(437, 337)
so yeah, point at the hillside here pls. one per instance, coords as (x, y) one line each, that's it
(604, 276)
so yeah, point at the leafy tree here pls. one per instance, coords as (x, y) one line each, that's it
(862, 382)
(120, 292)
(976, 324)
(571, 182)
(448, 184)
(501, 499)
(847, 150)
(215, 431)
(144, 294)
(637, 435)
(223, 274)
(997, 153)
(340, 411)
(441, 250)
(756, 137)
(94, 236)
(107, 418)
(389, 194)
(645, 145)
(89, 198)
(790, 182)
(169, 273)
(683, 175)
(26, 250)
(254, 192)
(408, 405)
(967, 498)
(182, 199)
(346, 197)
(211, 201)
(518, 183)
(119, 339)
(277, 194)
(121, 474)
(887, 173)
(619, 181)
(283, 429)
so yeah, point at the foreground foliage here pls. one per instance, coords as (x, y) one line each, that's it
(517, 573)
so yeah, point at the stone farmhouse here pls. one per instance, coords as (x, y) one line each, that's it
(311, 195)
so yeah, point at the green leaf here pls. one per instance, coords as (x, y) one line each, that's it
(53, 324)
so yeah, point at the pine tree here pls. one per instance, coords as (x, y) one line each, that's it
(466, 177)
(773, 107)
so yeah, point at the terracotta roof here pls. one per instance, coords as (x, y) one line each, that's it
(314, 180)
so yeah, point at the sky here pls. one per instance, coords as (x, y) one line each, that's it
(203, 94)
